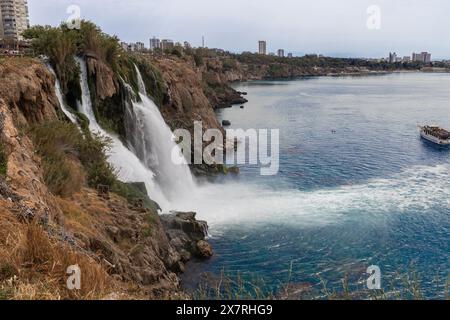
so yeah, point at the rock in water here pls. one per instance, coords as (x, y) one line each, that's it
(204, 249)
(226, 123)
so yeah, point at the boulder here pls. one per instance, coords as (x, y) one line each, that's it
(226, 123)
(187, 234)
(204, 249)
(239, 100)
(186, 223)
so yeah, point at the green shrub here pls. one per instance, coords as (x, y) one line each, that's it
(177, 52)
(94, 41)
(198, 60)
(153, 80)
(125, 69)
(60, 45)
(92, 154)
(229, 64)
(134, 191)
(68, 157)
(56, 143)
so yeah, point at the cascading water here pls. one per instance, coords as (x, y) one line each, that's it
(153, 142)
(127, 164)
(59, 95)
(141, 84)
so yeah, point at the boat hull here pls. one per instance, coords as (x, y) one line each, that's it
(434, 139)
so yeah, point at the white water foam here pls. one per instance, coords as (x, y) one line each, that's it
(153, 142)
(59, 95)
(127, 164)
(233, 204)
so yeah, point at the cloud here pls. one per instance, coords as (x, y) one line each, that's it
(320, 26)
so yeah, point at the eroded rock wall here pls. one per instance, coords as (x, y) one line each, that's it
(128, 242)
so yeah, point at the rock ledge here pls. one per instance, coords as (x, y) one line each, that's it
(187, 235)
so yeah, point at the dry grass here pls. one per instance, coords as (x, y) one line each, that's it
(33, 266)
(15, 64)
(83, 212)
(407, 286)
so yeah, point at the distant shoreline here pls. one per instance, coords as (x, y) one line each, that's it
(344, 74)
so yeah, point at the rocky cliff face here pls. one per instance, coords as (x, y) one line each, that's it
(26, 97)
(106, 83)
(185, 98)
(27, 90)
(122, 248)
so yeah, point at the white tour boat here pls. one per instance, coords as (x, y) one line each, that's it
(435, 134)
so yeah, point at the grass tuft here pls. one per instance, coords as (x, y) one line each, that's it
(33, 266)
(407, 286)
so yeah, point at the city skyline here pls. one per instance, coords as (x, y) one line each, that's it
(322, 27)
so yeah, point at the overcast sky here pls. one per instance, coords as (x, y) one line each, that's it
(333, 27)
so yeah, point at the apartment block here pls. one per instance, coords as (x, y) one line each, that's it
(262, 47)
(13, 19)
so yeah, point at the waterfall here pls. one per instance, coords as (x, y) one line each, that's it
(126, 163)
(59, 95)
(141, 85)
(153, 142)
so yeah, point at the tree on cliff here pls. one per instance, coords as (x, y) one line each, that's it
(61, 44)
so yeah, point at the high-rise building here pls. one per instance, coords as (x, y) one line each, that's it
(155, 43)
(13, 19)
(392, 57)
(139, 46)
(262, 47)
(281, 53)
(290, 55)
(167, 44)
(423, 57)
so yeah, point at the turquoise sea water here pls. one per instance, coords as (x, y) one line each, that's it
(356, 187)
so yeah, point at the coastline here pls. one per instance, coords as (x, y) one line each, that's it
(340, 74)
